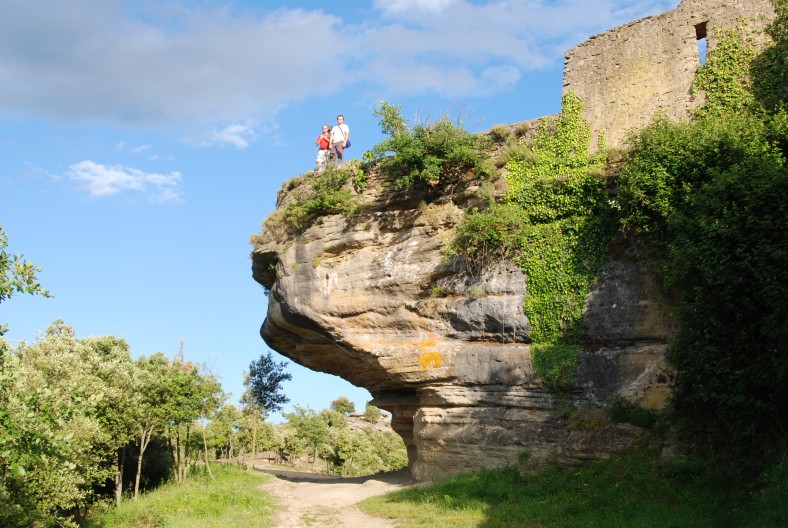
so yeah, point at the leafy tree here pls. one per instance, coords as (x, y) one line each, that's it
(265, 383)
(151, 412)
(16, 275)
(372, 414)
(435, 154)
(192, 394)
(224, 428)
(311, 427)
(63, 424)
(343, 405)
(263, 393)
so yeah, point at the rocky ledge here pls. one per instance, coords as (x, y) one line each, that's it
(375, 301)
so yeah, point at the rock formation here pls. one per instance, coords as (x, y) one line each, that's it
(375, 301)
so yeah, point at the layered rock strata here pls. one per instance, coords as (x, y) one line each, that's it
(375, 301)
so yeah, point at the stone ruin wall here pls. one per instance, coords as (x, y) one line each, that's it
(630, 74)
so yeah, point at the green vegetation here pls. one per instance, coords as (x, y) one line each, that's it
(314, 195)
(82, 424)
(709, 199)
(632, 490)
(770, 69)
(71, 409)
(436, 154)
(233, 498)
(16, 275)
(331, 445)
(555, 223)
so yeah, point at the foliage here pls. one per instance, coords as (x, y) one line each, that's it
(556, 364)
(435, 154)
(624, 411)
(725, 79)
(372, 414)
(310, 427)
(710, 197)
(489, 236)
(555, 223)
(770, 69)
(265, 382)
(346, 450)
(62, 420)
(69, 409)
(234, 498)
(343, 405)
(315, 195)
(636, 489)
(16, 275)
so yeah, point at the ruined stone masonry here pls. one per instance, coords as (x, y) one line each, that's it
(630, 74)
(374, 300)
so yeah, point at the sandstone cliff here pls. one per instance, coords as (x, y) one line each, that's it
(375, 301)
(447, 352)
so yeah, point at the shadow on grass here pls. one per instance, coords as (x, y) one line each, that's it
(632, 490)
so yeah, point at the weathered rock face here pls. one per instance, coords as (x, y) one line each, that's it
(375, 301)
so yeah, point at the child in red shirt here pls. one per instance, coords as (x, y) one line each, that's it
(323, 145)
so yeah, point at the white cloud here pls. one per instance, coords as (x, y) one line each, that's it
(198, 68)
(235, 135)
(390, 7)
(101, 180)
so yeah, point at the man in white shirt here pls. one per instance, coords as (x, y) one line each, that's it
(339, 136)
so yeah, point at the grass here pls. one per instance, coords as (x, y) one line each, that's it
(233, 499)
(632, 490)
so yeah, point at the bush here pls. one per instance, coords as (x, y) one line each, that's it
(436, 154)
(711, 199)
(315, 195)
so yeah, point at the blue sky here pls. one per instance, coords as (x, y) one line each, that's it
(143, 142)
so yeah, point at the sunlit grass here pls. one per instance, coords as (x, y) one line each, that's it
(633, 490)
(233, 499)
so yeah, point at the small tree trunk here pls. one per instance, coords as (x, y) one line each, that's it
(119, 475)
(145, 436)
(254, 442)
(205, 449)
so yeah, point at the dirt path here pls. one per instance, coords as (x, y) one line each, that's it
(316, 501)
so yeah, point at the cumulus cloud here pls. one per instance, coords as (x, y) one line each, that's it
(100, 180)
(198, 67)
(235, 135)
(389, 7)
(171, 65)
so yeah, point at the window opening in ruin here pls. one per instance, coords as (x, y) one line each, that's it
(700, 34)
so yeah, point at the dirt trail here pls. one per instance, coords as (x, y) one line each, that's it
(308, 500)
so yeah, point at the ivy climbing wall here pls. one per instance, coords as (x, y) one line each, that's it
(629, 74)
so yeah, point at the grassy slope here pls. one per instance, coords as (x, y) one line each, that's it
(632, 490)
(233, 499)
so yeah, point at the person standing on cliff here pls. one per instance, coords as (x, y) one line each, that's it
(323, 143)
(340, 135)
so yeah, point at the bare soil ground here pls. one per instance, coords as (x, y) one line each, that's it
(316, 501)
